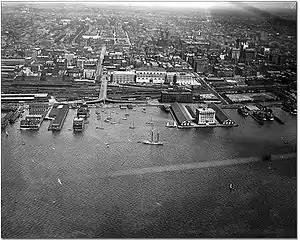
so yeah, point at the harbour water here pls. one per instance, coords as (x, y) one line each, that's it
(53, 185)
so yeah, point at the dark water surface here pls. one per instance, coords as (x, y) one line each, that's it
(52, 185)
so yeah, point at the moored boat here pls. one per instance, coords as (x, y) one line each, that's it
(242, 111)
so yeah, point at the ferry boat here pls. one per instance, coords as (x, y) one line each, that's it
(242, 111)
(152, 141)
(78, 124)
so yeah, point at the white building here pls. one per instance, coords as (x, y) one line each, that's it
(182, 78)
(123, 76)
(149, 75)
(205, 116)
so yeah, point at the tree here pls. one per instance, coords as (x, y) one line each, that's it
(174, 79)
(43, 75)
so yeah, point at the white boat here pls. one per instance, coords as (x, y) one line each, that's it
(132, 127)
(152, 141)
(168, 124)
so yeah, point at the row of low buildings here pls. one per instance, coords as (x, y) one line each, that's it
(155, 76)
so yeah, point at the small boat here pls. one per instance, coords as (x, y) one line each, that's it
(152, 141)
(150, 122)
(168, 124)
(114, 122)
(59, 181)
(124, 118)
(132, 127)
(165, 108)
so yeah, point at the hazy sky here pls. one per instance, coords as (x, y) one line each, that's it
(176, 3)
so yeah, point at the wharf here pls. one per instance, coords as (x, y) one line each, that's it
(58, 122)
(11, 117)
(206, 126)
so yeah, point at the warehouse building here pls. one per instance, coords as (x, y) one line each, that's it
(122, 77)
(221, 116)
(181, 114)
(176, 96)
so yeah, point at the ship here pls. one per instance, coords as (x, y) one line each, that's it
(152, 141)
(242, 111)
(78, 124)
(260, 115)
(290, 107)
(268, 113)
(165, 108)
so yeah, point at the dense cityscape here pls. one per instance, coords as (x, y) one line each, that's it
(211, 87)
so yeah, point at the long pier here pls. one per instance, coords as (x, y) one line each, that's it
(58, 122)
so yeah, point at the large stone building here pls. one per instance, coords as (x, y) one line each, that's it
(122, 77)
(150, 75)
(205, 116)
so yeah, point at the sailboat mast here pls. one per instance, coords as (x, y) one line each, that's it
(152, 136)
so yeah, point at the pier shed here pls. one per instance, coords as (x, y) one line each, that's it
(181, 114)
(221, 116)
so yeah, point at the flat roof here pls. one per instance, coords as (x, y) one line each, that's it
(25, 95)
